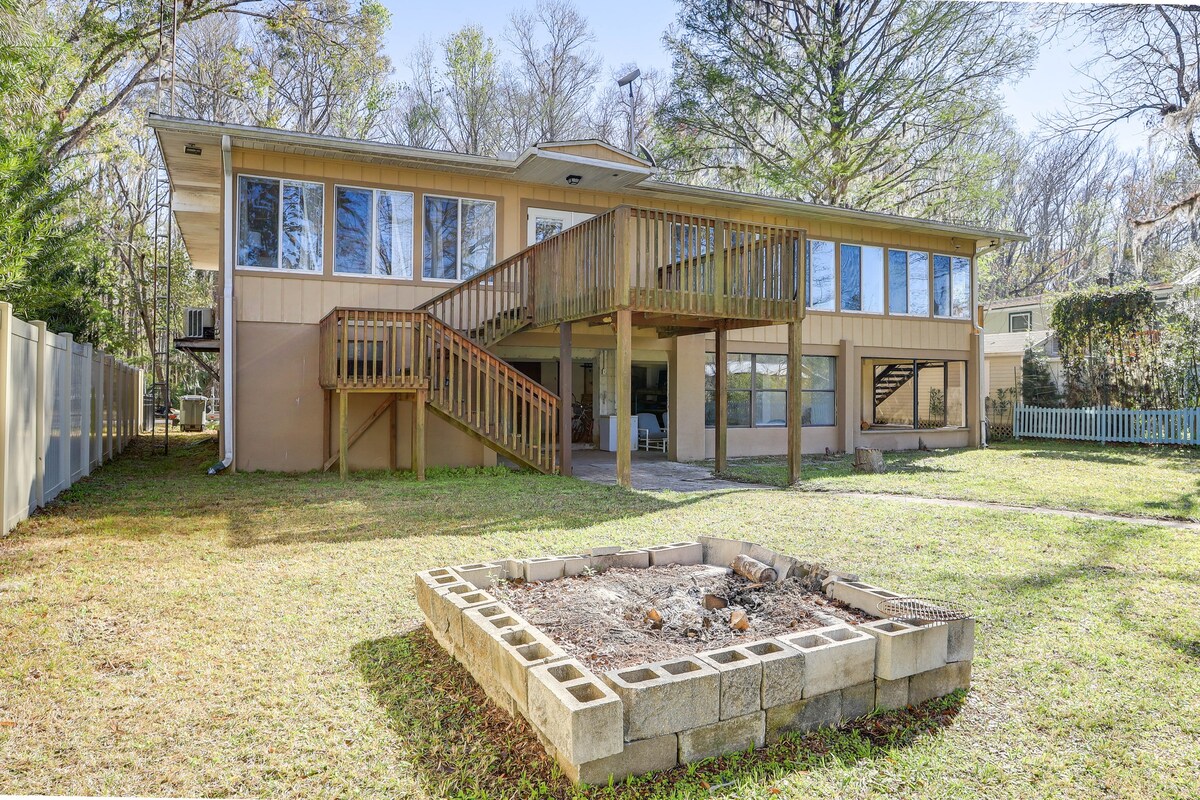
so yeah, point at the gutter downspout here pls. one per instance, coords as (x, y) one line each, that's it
(227, 361)
(977, 328)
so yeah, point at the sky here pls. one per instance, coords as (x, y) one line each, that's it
(630, 31)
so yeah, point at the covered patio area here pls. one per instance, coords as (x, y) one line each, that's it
(652, 472)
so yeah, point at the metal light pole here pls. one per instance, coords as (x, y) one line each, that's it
(627, 81)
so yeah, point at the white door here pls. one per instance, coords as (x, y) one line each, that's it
(546, 222)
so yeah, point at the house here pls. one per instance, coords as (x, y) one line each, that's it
(1015, 324)
(387, 306)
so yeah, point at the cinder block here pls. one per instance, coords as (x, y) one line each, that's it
(575, 565)
(576, 711)
(788, 567)
(833, 658)
(638, 758)
(782, 672)
(903, 649)
(891, 694)
(939, 682)
(809, 714)
(860, 595)
(511, 568)
(858, 701)
(741, 680)
(425, 582)
(666, 697)
(721, 552)
(481, 575)
(481, 629)
(518, 651)
(634, 559)
(546, 568)
(685, 553)
(728, 736)
(447, 603)
(960, 640)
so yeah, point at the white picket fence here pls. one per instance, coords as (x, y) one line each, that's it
(67, 409)
(1103, 424)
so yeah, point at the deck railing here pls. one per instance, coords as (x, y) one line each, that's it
(656, 262)
(396, 351)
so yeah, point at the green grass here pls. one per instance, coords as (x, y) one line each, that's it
(1125, 480)
(167, 633)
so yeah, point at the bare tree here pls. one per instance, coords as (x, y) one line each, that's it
(847, 103)
(555, 69)
(211, 69)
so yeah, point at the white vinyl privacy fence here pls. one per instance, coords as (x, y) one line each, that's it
(1103, 424)
(67, 409)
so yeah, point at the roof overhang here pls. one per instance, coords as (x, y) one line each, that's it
(196, 178)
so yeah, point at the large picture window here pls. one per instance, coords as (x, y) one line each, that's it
(862, 278)
(916, 394)
(820, 263)
(908, 282)
(280, 224)
(460, 237)
(952, 286)
(756, 384)
(373, 233)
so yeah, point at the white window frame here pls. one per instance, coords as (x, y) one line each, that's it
(1028, 315)
(569, 220)
(883, 279)
(375, 190)
(458, 243)
(836, 298)
(950, 298)
(237, 232)
(887, 279)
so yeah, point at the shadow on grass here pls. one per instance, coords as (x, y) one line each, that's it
(461, 744)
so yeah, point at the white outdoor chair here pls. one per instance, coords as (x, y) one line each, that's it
(650, 435)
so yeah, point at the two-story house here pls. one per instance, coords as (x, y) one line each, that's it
(387, 306)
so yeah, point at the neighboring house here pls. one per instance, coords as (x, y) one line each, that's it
(1011, 326)
(362, 281)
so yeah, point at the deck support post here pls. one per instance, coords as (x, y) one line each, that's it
(327, 431)
(721, 390)
(343, 432)
(418, 433)
(624, 368)
(565, 398)
(393, 425)
(795, 381)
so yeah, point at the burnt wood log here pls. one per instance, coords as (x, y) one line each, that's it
(754, 570)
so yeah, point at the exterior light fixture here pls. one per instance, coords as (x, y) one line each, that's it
(192, 149)
(574, 179)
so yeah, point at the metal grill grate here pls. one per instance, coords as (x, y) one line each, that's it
(922, 608)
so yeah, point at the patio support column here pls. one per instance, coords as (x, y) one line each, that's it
(418, 434)
(720, 389)
(343, 431)
(795, 381)
(393, 431)
(327, 433)
(565, 396)
(624, 325)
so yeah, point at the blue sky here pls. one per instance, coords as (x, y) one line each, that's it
(631, 31)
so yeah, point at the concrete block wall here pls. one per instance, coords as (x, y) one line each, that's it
(654, 716)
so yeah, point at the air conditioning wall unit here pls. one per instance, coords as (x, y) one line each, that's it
(199, 324)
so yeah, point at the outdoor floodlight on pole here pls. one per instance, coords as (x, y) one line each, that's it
(628, 81)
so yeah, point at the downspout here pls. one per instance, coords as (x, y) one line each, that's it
(977, 327)
(227, 402)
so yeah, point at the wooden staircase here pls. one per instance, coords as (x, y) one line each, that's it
(890, 379)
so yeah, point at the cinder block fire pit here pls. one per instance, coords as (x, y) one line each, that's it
(633, 661)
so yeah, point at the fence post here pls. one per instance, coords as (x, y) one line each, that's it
(85, 412)
(66, 423)
(5, 411)
(39, 415)
(1017, 421)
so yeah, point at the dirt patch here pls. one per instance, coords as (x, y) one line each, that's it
(625, 617)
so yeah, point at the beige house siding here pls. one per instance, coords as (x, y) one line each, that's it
(280, 404)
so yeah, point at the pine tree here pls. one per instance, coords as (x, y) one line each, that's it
(1037, 384)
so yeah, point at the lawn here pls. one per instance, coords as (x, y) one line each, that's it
(1126, 480)
(167, 633)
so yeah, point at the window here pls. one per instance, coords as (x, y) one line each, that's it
(1020, 321)
(820, 275)
(460, 237)
(280, 224)
(908, 282)
(757, 389)
(915, 394)
(862, 278)
(952, 287)
(373, 233)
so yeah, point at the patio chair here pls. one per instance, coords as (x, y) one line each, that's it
(650, 435)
